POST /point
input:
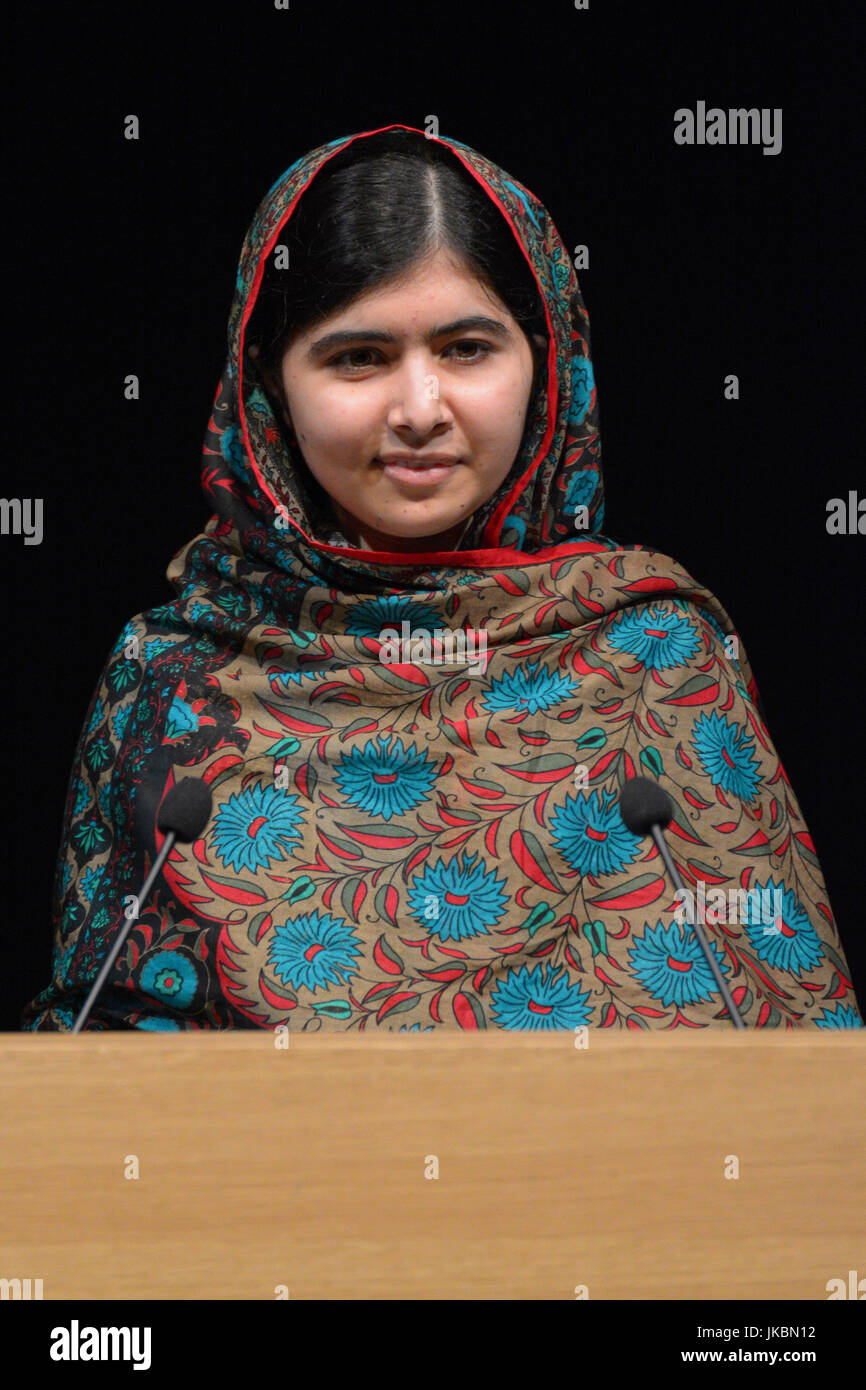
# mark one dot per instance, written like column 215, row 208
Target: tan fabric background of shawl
column 407, row 846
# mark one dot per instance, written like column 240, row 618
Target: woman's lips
column 418, row 475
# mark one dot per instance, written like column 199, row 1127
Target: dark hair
column 367, row 218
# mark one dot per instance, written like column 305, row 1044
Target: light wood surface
column 558, row 1166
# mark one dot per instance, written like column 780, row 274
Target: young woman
column 416, row 676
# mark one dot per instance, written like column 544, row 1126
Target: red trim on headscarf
column 494, row 525
column 504, row 555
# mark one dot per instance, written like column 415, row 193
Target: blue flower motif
column 255, row 826
column 367, row 619
column 789, row 942
column 82, row 799
column 538, row 1001
column 158, row 1025
column 581, row 489
column 589, row 831
column 103, row 799
column 726, row 754
column 97, row 716
column 171, row 977
column 197, row 611
column 531, row 687
column 89, row 882
column 843, row 1016
column 156, row 646
column 582, row 386
column 385, row 778
column 458, row 898
column 656, row 636
column 182, row 719
column 119, row 722
column 669, row 963
column 313, row 951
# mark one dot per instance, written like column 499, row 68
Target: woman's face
column 410, row 381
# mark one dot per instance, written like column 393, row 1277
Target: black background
column 704, row 261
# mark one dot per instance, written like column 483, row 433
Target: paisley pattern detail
column 432, row 844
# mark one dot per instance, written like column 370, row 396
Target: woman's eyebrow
column 373, row 335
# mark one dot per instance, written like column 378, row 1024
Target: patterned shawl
column 404, row 838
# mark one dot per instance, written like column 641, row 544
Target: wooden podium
column 433, row 1166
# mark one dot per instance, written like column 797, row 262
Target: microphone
column 183, row 816
column 646, row 809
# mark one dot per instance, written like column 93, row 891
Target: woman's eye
column 343, row 359
column 485, row 349
column 348, row 359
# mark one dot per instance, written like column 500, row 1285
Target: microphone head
column 643, row 804
column 186, row 809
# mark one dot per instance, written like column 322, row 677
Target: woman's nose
column 416, row 402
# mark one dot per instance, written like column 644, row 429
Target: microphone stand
column 676, row 878
column 156, row 868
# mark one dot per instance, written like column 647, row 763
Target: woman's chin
column 421, row 537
